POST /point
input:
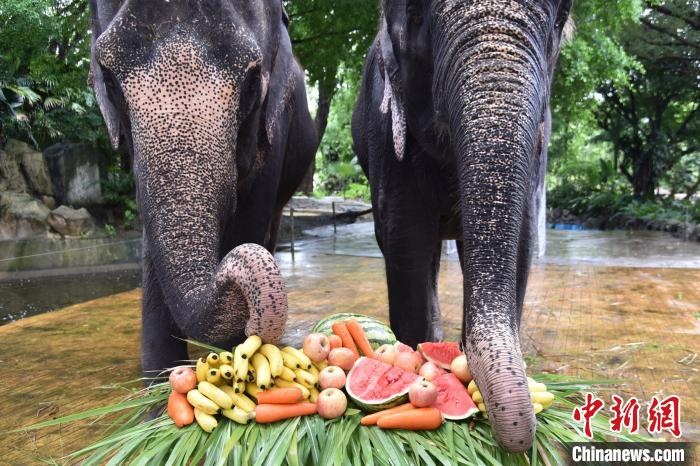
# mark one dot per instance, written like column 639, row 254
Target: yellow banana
column 288, row 374
column 226, row 372
column 290, row 361
column 215, row 394
column 303, row 359
column 262, row 371
column 313, row 394
column 239, row 387
column 544, row 398
column 237, row 415
column 537, row 407
column 239, row 399
column 471, row 388
column 240, row 365
column 320, row 365
column 251, row 374
column 206, row 421
column 476, row 396
column 226, row 357
column 250, row 346
column 214, row 376
column 305, row 392
column 314, row 372
column 213, row 360
column 482, row 407
column 274, row 357
column 252, row 390
column 201, row 402
column 305, row 378
column 201, row 369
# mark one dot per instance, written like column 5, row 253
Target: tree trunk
column 325, row 97
column 643, row 179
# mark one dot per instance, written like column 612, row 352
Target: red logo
column 624, row 415
column 665, row 415
column 587, row 411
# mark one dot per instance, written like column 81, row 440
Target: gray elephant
column 211, row 105
column 451, row 128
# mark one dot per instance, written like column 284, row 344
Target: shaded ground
column 640, row 325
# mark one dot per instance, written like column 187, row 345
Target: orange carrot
column 266, row 413
column 415, row 419
column 280, row 396
column 180, row 410
column 371, row 419
column 335, row 341
column 358, row 335
column 340, row 329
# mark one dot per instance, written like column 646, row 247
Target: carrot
column 280, row 396
column 335, row 341
column 266, row 413
column 358, row 335
column 340, row 329
column 371, row 419
column 180, row 410
column 415, row 419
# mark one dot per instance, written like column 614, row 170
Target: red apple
column 331, row 403
column 316, row 346
column 422, row 393
column 331, row 377
column 342, row 357
column 408, row 361
column 183, row 379
column 430, row 371
column 460, row 368
column 386, row 353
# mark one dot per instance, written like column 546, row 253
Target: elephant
column 210, row 103
column 451, row 127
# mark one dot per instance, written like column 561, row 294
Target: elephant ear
column 393, row 92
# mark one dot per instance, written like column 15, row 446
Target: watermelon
column 402, row 347
column 378, row 333
column 374, row 385
column 441, row 354
column 453, row 399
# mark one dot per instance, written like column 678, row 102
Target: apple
column 408, row 361
column 422, row 393
column 331, row 403
column 342, row 357
column 460, row 368
column 331, row 377
column 430, row 371
column 386, row 353
column 316, row 346
column 182, row 379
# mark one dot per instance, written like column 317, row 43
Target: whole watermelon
column 378, row 333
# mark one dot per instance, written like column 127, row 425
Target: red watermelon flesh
column 453, row 399
column 375, row 385
column 441, row 354
column 402, row 347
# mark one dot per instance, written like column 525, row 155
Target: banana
column 274, row 357
column 544, row 398
column 226, row 357
column 240, row 365
column 313, row 394
column 537, row 407
column 239, row 399
column 226, row 372
column 471, row 388
column 252, row 390
column 201, row 369
column 482, row 407
column 320, row 365
column 215, row 394
column 263, row 377
column 213, row 360
column 476, row 396
column 314, row 372
column 305, row 378
column 239, row 387
column 305, row 392
column 206, row 421
column 303, row 359
column 290, row 361
column 214, row 376
column 237, row 415
column 250, row 346
column 251, row 374
column 288, row 374
column 201, row 402
column 537, row 387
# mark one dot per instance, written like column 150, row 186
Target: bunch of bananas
column 540, row 397
column 228, row 382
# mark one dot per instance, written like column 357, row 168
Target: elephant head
column 469, row 80
column 185, row 85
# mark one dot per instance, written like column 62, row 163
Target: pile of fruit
column 345, row 354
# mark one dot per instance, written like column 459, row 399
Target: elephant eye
column 417, row 19
column 414, row 14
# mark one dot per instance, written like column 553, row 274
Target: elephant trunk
column 488, row 62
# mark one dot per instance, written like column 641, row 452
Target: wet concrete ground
column 582, row 317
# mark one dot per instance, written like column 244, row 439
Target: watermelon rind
column 394, row 399
column 449, row 385
column 441, row 354
column 378, row 333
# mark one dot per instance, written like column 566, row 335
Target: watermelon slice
column 402, row 347
column 453, row 399
column 374, row 385
column 441, row 354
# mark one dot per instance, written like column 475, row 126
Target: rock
column 21, row 216
column 36, row 173
column 11, row 177
column 75, row 172
column 70, row 222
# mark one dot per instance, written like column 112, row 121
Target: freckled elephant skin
column 210, row 103
column 451, row 127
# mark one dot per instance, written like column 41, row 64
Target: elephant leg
column 271, row 242
column 460, row 253
column 160, row 343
